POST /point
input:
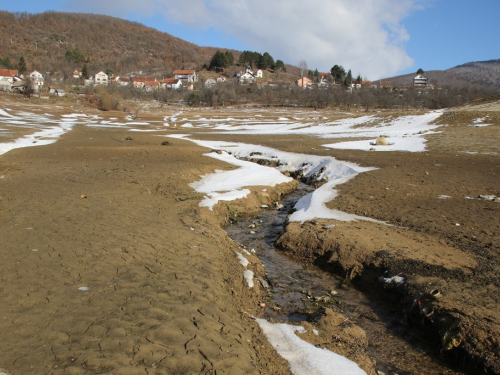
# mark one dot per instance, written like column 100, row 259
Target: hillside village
column 183, row 79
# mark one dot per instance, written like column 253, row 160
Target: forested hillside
column 54, row 41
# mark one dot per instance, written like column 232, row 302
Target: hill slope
column 480, row 74
column 106, row 43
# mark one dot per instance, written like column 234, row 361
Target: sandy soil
column 165, row 289
column 164, row 292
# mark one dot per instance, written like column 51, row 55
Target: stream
column 296, row 289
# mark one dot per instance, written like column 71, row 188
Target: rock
column 381, row 141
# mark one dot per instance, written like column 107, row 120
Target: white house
column 210, row 82
column 186, row 75
column 101, row 78
column 36, row 76
column 37, row 80
column 56, row 91
column 8, row 75
column 246, row 78
column 172, row 84
column 221, row 79
column 151, row 85
column 77, row 73
column 420, row 80
column 5, row 85
column 122, row 81
column 258, row 73
column 138, row 82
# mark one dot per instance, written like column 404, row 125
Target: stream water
column 296, row 288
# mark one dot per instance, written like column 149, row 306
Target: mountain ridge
column 475, row 74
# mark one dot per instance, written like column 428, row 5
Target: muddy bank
column 441, row 239
column 443, row 232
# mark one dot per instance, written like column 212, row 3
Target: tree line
column 364, row 99
column 229, row 94
column 221, row 60
column 21, row 67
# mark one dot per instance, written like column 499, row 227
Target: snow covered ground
column 228, row 185
column 43, row 128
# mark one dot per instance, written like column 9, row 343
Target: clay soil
column 109, row 266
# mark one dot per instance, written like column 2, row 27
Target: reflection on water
column 298, row 290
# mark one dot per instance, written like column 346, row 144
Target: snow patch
column 303, row 357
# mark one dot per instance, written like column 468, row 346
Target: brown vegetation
column 106, row 43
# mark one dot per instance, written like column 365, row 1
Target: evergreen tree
column 348, row 79
column 85, row 72
column 338, row 73
column 316, row 75
column 420, row 71
column 242, row 58
column 229, row 58
column 21, row 65
column 6, row 63
column 218, row 61
column 74, row 55
column 279, row 65
column 266, row 61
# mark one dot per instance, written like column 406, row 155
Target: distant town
column 224, row 82
column 36, row 82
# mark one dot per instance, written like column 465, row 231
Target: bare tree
column 303, row 67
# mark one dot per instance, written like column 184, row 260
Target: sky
column 372, row 38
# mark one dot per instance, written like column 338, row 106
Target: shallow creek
column 298, row 290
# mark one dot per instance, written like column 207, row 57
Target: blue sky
column 374, row 38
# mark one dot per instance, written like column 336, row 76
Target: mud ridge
column 423, row 291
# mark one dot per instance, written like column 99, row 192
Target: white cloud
column 365, row 36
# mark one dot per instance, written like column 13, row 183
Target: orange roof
column 144, row 79
column 304, row 79
column 170, row 80
column 152, row 83
column 184, row 71
column 8, row 73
